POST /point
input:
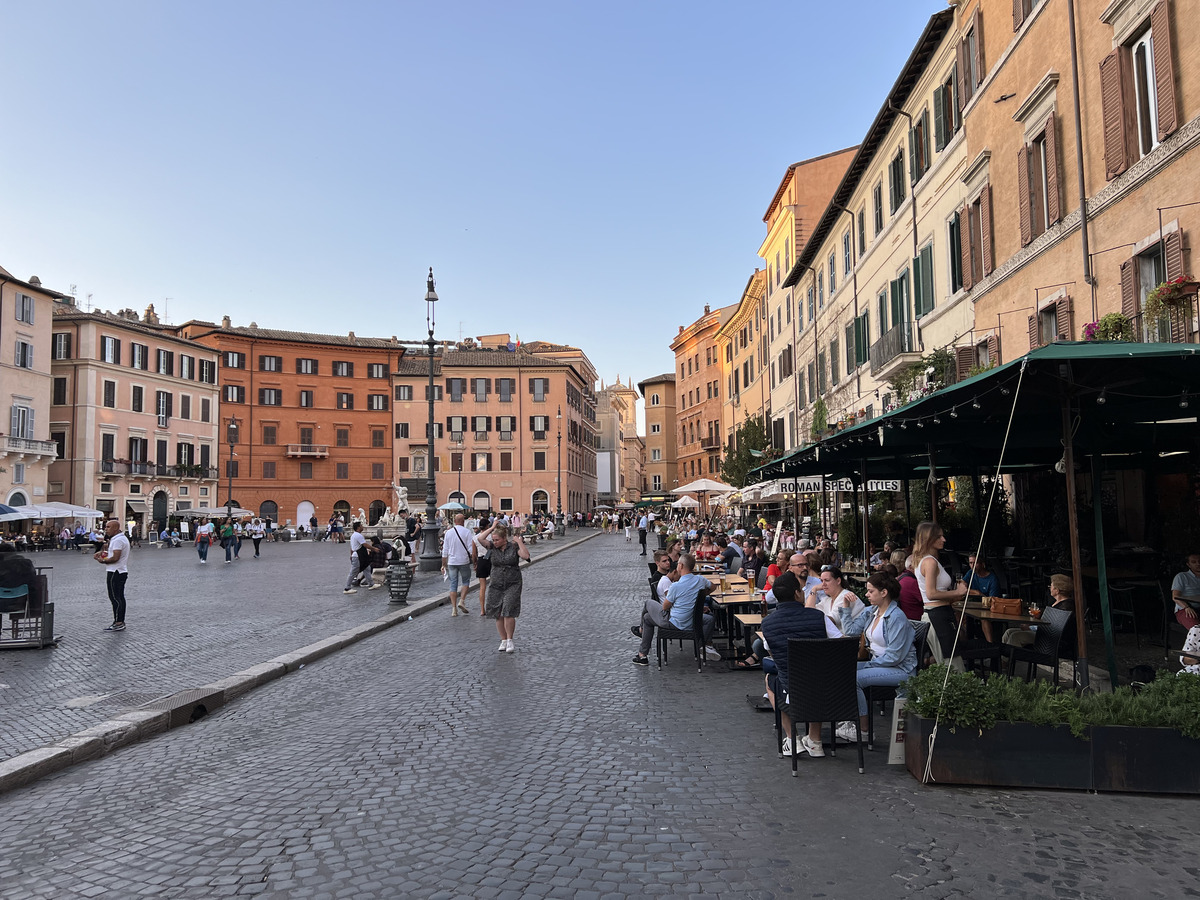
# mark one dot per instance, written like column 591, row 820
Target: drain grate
column 188, row 706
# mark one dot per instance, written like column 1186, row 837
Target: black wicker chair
column 1046, row 645
column 695, row 634
column 823, row 687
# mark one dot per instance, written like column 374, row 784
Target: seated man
column 730, row 554
column 677, row 610
column 664, row 575
column 1185, row 591
column 791, row 619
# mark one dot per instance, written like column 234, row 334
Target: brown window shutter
column 1053, row 204
column 1129, row 289
column 964, row 360
column 1034, row 343
column 964, row 239
column 1018, row 14
column 1114, row 102
column 978, row 25
column 1164, row 69
column 993, row 345
column 960, row 76
column 1062, row 313
column 985, row 213
column 1023, row 198
column 1173, row 252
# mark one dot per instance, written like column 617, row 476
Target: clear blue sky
column 590, row 173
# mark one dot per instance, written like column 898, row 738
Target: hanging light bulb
column 903, row 426
column 937, row 421
column 975, row 403
column 1005, row 391
column 1103, row 398
column 954, row 412
column 920, row 424
column 1061, row 466
column 1183, row 400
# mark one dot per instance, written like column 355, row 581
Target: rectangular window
column 656, row 482
column 923, row 294
column 655, row 455
column 401, row 430
column 896, row 185
column 208, row 371
column 342, row 471
column 234, row 360
column 402, row 464
column 506, row 425
column 832, row 275
column 306, row 399
column 834, row 356
column 377, row 471
column 821, row 373
column 269, row 435
column 164, row 362
column 456, row 462
column 205, row 409
column 342, row 437
column 231, row 468
column 137, row 400
column 376, row 370
column 270, row 363
column 481, row 425
column 539, row 460
column 377, row 437
column 403, row 393
column 60, row 443
column 233, row 393
column 862, row 230
column 954, row 243
column 110, row 350
column 343, row 369
column 139, row 356
column 345, row 400
column 877, row 206
column 506, row 461
column 539, row 425
column 306, row 436
column 164, row 403
column 377, row 401
column 947, row 119
column 481, row 462
column 185, row 406
column 306, row 366
column 456, row 425
column 456, row 387
column 270, row 397
column 540, row 388
column 847, row 263
column 481, row 387
column 60, row 392
column 110, row 394
column 268, row 470
column 437, row 393
column 22, row 422
column 62, row 346
column 918, row 147
column 24, row 309
column 437, row 430
column 187, row 367
column 306, row 470
column 24, row 355
column 506, row 387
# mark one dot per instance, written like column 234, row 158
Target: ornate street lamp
column 431, row 551
column 558, row 519
column 231, row 433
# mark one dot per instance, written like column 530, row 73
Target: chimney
column 35, row 281
column 352, row 335
column 225, row 322
column 707, row 309
column 151, row 316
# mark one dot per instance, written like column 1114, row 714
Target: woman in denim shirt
column 890, row 637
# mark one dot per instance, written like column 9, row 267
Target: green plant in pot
column 1111, row 327
column 1169, row 295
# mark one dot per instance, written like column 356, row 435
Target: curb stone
column 142, row 723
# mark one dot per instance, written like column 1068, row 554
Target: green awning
column 1128, row 399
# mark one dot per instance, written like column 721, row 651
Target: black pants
column 257, row 541
column 116, row 594
column 945, row 624
column 642, row 539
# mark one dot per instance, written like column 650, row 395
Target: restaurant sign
column 816, row 485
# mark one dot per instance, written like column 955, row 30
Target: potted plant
column 1169, row 295
column 1111, row 327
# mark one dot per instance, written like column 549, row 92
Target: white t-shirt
column 456, row 546
column 356, row 541
column 204, row 531
column 118, row 543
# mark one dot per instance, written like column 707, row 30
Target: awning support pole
column 1102, row 569
column 933, row 488
column 976, row 498
column 1073, row 536
column 866, row 515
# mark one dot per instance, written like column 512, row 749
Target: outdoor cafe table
column 748, row 621
column 977, row 611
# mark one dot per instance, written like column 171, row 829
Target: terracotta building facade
column 658, row 394
column 700, row 390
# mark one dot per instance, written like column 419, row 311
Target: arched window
column 269, row 509
column 482, row 501
column 376, row 511
column 540, row 502
column 342, row 508
column 654, row 399
column 457, row 497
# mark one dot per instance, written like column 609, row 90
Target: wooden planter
column 1017, row 754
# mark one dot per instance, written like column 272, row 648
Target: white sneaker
column 712, row 654
column 787, row 746
column 510, row 648
column 845, row 732
column 503, row 646
column 811, row 747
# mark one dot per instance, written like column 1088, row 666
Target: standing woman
column 227, row 538
column 628, row 523
column 483, row 567
column 937, row 587
column 504, row 594
column 203, row 538
column 256, row 534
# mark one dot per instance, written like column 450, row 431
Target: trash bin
column 398, row 580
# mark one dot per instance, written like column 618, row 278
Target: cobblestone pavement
column 189, row 624
column 423, row 764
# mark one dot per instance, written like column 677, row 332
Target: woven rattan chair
column 823, row 687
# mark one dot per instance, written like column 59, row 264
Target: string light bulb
column 1183, row 400
column 904, row 426
column 1103, row 398
column 975, row 403
column 954, row 412
column 937, row 421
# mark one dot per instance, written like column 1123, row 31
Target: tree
column 749, row 440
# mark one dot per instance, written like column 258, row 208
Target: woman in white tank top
column 937, row 587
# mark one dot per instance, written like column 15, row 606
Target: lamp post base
column 430, row 559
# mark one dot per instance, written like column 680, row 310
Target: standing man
column 411, row 533
column 643, row 524
column 116, row 564
column 359, row 562
column 458, row 556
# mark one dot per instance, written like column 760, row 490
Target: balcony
column 710, row 443
column 895, row 350
column 126, row 469
column 308, row 451
column 20, row 448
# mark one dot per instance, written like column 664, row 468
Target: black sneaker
column 641, row 660
column 635, row 630
column 116, row 626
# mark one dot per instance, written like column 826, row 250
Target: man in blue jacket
column 791, row 619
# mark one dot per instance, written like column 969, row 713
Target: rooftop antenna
column 89, row 303
column 165, row 317
column 72, row 290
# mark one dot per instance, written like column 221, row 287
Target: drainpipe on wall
column 913, row 199
column 1083, row 214
column 854, row 275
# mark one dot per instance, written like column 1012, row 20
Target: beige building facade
column 741, row 344
column 658, row 394
column 618, row 462
column 700, row 390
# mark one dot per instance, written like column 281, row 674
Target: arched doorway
column 482, row 501
column 457, row 497
column 540, row 502
column 159, row 506
column 268, row 509
column 342, row 508
column 376, row 511
column 304, row 511
column 17, row 498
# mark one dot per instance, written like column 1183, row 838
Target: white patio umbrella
column 703, row 486
column 213, row 511
column 686, row 503
column 70, row 511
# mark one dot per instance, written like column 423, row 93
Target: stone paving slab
column 190, row 625
column 422, row 763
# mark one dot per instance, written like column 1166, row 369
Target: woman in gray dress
column 504, row 584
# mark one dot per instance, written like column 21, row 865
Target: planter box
column 1017, row 754
column 1012, row 754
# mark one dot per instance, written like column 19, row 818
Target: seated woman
column 1063, row 593
column 910, row 591
column 707, row 549
column 836, row 597
column 889, row 637
column 1190, row 658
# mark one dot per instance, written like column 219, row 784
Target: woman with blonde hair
column 938, row 590
column 503, row 601
column 1062, row 591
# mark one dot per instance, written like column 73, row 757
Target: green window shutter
column 927, row 279
column 939, row 117
column 918, row 293
column 913, row 174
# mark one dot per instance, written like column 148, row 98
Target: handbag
column 864, row 649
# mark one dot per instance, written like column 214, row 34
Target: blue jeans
column 202, row 548
column 229, row 550
column 876, row 675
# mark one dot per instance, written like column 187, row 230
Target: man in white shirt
column 1185, row 591
column 359, row 562
column 458, row 557
column 115, row 558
